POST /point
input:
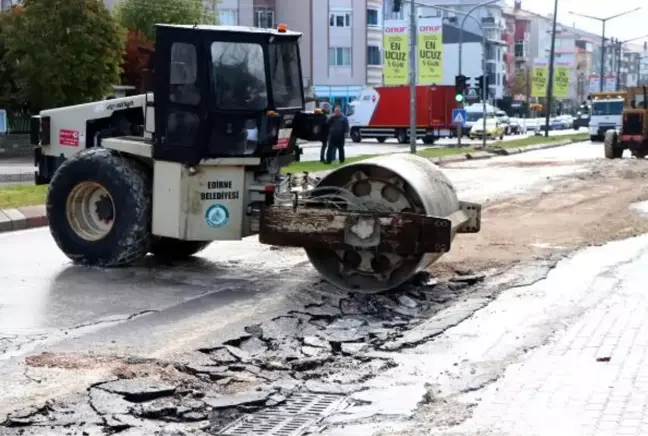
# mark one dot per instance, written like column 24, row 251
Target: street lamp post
column 460, row 61
column 619, row 56
column 552, row 57
column 484, row 90
column 412, row 77
column 604, row 22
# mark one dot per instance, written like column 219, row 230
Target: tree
column 143, row 15
column 9, row 93
column 135, row 59
column 519, row 84
column 65, row 52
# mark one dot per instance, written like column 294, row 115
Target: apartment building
column 341, row 46
column 518, row 59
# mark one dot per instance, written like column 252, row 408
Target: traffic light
column 482, row 83
column 397, row 5
column 460, row 87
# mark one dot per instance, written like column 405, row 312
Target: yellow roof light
column 282, row 28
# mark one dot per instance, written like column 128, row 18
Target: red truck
column 384, row 112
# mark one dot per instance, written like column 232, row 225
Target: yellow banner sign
column 561, row 81
column 539, row 80
column 395, row 47
column 430, row 51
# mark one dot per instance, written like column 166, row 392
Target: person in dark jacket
column 326, row 109
column 338, row 127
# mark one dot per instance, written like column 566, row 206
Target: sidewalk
column 591, row 379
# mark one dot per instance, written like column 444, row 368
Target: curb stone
column 21, row 177
column 510, row 151
column 21, row 218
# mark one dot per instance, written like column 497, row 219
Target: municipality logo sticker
column 217, row 216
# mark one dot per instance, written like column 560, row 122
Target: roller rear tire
column 99, row 208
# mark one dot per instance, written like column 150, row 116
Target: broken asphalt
column 249, row 337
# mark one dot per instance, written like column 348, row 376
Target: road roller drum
column 371, row 225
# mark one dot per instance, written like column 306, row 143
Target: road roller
column 198, row 157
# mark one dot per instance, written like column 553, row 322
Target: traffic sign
column 472, row 93
column 458, row 116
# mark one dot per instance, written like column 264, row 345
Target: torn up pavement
column 283, row 376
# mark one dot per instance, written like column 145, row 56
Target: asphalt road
column 166, row 312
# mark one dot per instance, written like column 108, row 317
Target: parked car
column 582, row 120
column 504, row 120
column 494, row 129
column 532, row 125
column 517, row 126
column 568, row 121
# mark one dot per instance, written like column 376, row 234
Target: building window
column 372, row 17
column 228, row 17
column 340, row 56
column 519, row 49
column 373, row 55
column 264, row 18
column 340, row 19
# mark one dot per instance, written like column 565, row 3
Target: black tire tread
column 135, row 177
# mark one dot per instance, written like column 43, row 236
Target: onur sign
column 395, row 48
column 430, row 51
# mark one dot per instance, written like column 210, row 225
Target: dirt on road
column 591, row 209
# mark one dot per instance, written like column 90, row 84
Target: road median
column 456, row 154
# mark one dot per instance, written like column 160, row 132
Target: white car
column 518, row 126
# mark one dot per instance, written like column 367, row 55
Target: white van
column 606, row 114
column 474, row 113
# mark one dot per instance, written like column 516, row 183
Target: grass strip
column 13, row 196
column 314, row 166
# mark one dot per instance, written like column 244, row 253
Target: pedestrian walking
column 326, row 109
column 338, row 126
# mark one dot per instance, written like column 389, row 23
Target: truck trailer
column 383, row 112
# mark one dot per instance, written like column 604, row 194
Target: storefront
column 342, row 95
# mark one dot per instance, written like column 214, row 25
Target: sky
column 626, row 27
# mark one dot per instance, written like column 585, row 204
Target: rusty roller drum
column 398, row 183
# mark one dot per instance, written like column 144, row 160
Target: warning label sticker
column 69, row 137
column 283, row 140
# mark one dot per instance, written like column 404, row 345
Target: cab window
column 238, row 76
column 183, row 74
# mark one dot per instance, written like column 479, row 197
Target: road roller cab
column 225, row 117
column 633, row 134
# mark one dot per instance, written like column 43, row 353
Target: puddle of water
column 641, row 208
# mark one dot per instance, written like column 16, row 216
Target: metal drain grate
column 306, row 404
column 295, row 417
column 263, row 424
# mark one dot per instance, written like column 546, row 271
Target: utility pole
column 412, row 77
column 459, row 67
column 552, row 57
column 603, row 22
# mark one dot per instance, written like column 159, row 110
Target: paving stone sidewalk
column 590, row 381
